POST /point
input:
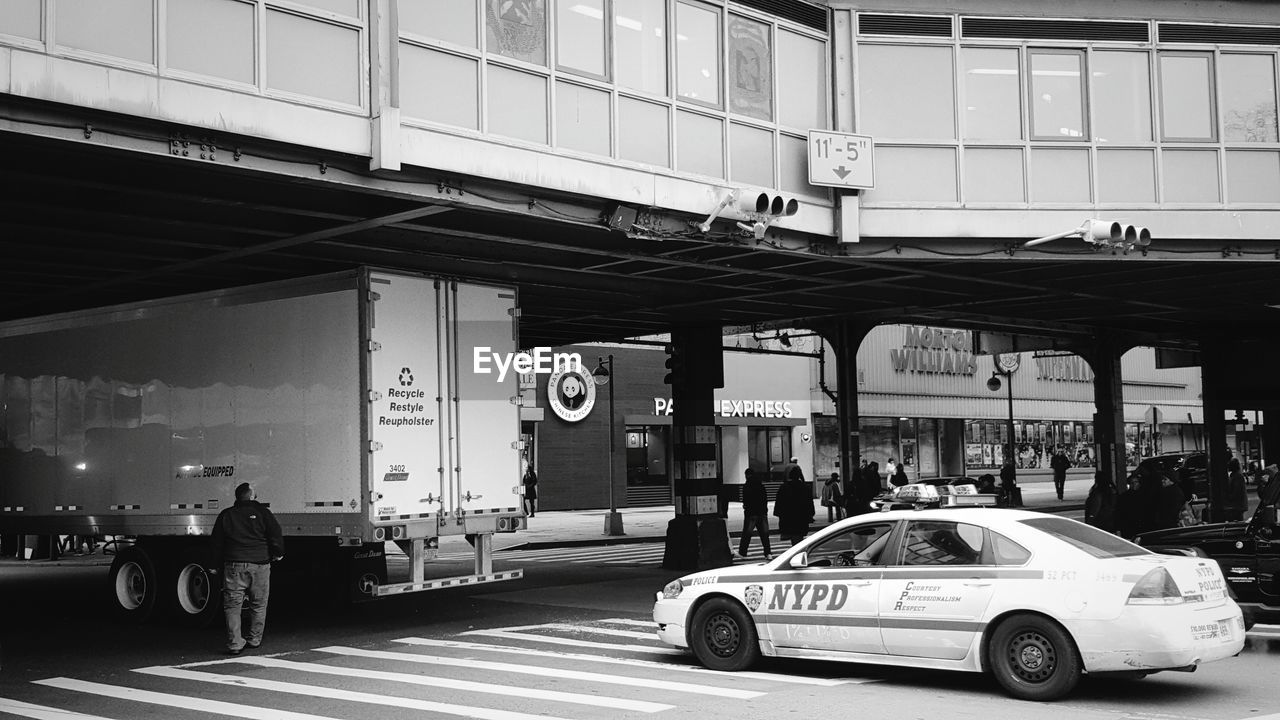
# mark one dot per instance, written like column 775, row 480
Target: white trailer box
column 349, row 401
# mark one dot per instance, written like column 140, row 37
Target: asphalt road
column 571, row 640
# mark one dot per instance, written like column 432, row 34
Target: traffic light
column 1113, row 234
column 675, row 365
column 763, row 209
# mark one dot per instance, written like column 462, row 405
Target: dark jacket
column 755, row 498
column 1100, row 508
column 794, row 508
column 1237, row 500
column 247, row 532
column 1059, row 463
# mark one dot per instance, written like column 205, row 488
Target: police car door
column 932, row 600
column 831, row 603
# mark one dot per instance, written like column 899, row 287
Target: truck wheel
column 134, row 585
column 723, row 636
column 1033, row 658
column 197, row 594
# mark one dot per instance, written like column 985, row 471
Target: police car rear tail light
column 1156, row 588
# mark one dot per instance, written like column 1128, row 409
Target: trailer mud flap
column 366, row 571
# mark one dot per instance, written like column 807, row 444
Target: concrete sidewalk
column 565, row 528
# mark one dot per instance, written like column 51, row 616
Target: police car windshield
column 1098, row 543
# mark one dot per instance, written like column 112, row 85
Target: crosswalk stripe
column 629, row 621
column 243, row 681
column 467, row 685
column 511, row 650
column 548, row 639
column 179, row 701
column 595, row 631
column 546, row 672
column 40, row 712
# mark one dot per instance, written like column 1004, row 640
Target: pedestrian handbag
column 1187, row 516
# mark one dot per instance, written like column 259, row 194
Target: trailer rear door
column 405, row 418
column 487, row 467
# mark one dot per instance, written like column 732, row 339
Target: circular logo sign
column 571, row 394
column 1007, row 362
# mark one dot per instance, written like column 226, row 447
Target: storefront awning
column 722, row 421
column 996, row 407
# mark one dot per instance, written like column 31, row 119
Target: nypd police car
column 1034, row 599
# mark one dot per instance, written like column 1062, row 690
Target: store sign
column 935, row 351
column 1070, row 368
column 571, row 394
column 735, row 408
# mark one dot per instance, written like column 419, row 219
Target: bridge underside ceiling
column 83, row 225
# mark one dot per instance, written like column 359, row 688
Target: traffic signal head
column 675, row 365
column 1114, row 235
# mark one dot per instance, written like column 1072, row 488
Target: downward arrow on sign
column 841, row 172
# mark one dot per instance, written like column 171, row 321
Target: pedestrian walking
column 899, row 477
column 1237, row 500
column 246, row 539
column 755, row 514
column 1059, row 462
column 1129, row 509
column 865, row 486
column 833, row 498
column 1100, row 506
column 793, row 507
column 530, row 482
column 890, row 469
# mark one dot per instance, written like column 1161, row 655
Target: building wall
column 1012, row 119
column 581, row 96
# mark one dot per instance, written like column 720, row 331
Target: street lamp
column 602, row 375
column 1005, row 365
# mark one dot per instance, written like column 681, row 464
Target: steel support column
column 1108, row 399
column 697, row 537
column 845, row 337
column 1214, row 379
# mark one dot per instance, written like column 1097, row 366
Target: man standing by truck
column 246, row 539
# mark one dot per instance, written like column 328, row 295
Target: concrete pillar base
column 696, row 542
column 613, row 523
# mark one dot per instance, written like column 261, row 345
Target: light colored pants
column 241, row 580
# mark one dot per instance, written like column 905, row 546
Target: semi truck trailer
column 353, row 403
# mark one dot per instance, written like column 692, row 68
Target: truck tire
column 196, row 594
column 134, row 585
column 1033, row 658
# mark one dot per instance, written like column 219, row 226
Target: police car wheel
column 723, row 636
column 1033, row 658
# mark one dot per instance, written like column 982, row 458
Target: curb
column 606, row 540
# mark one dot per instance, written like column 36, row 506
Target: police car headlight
column 672, row 590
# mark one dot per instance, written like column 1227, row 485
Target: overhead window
column 1248, row 97
column 1186, row 97
column 580, row 37
column 449, row 20
column 517, row 29
column 907, row 92
column 1121, row 87
column 750, row 68
column 698, row 54
column 1057, row 95
column 121, row 29
column 802, row 81
column 992, row 94
column 190, row 22
column 22, row 18
column 640, row 44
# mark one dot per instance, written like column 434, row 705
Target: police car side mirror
column 800, row 561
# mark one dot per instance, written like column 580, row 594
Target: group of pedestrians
column 794, row 502
column 1153, row 500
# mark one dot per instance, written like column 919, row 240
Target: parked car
column 1189, row 469
column 1034, row 599
column 1248, row 553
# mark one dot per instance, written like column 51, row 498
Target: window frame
column 607, row 20
column 1215, row 119
column 720, row 13
column 1086, row 129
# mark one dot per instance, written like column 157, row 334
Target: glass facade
column 1092, row 123
column 681, row 85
